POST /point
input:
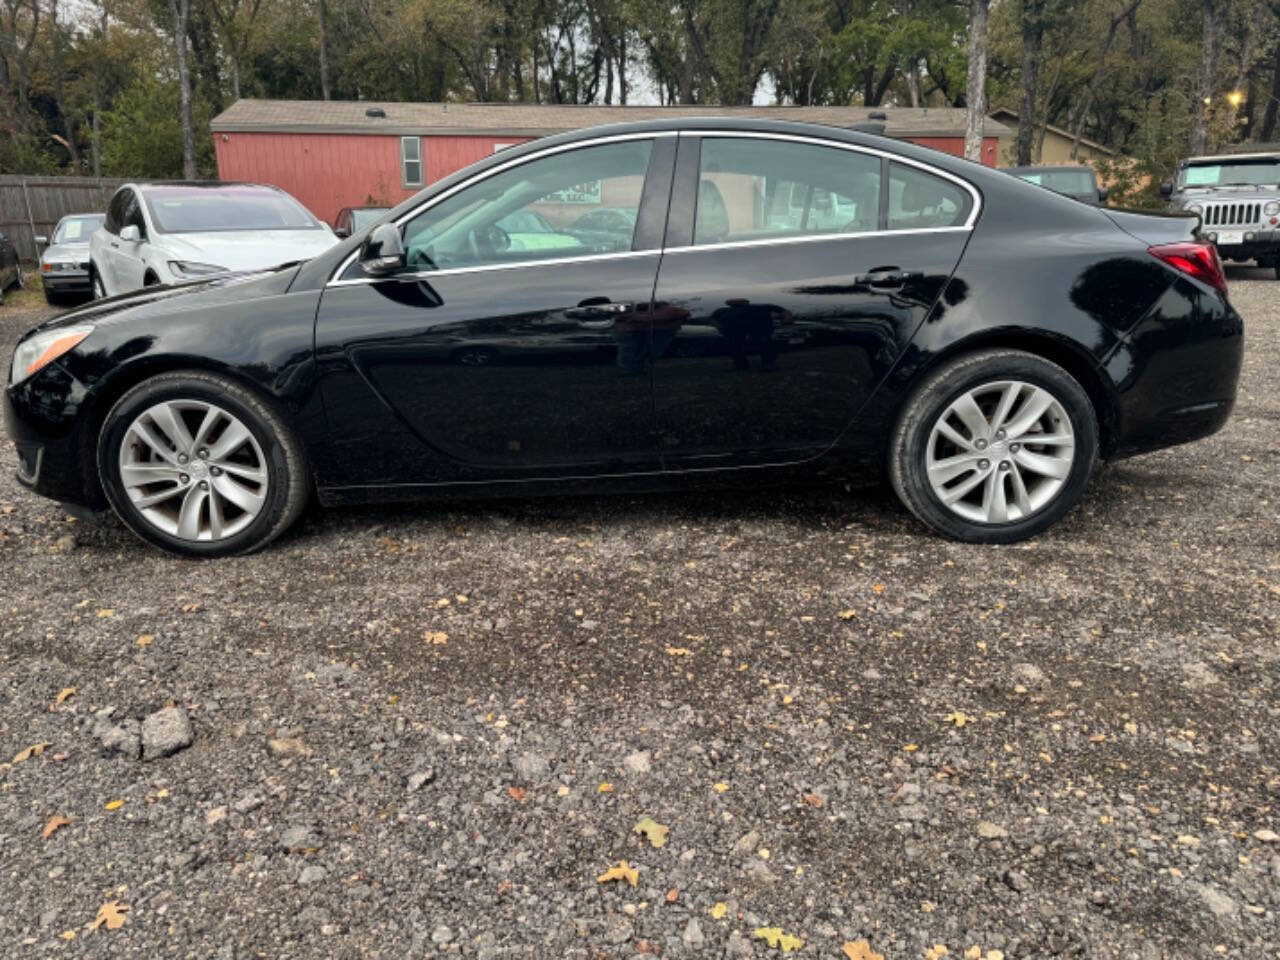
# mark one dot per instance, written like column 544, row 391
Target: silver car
column 64, row 265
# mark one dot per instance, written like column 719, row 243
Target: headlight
column 1272, row 208
column 187, row 268
column 1195, row 208
column 36, row 353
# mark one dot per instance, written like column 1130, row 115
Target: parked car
column 983, row 342
column 1237, row 198
column 10, row 268
column 161, row 233
column 64, row 265
column 1077, row 181
column 354, row 219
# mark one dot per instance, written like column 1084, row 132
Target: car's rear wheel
column 99, row 288
column 201, row 466
column 994, row 447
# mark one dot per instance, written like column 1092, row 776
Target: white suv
column 174, row 232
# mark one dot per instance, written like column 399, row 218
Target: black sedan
column 982, row 341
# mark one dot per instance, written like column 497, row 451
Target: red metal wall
column 327, row 172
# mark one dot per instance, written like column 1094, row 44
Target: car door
column 795, row 273
column 503, row 356
column 131, row 264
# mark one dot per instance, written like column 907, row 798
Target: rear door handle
column 597, row 314
column 886, row 277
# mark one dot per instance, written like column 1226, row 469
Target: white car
column 175, row 232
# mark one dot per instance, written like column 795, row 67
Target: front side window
column 411, row 161
column 188, row 209
column 921, row 201
column 533, row 211
column 755, row 189
column 115, row 210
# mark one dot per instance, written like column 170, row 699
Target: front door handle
column 596, row 314
column 887, row 277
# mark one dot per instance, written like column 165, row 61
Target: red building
column 334, row 154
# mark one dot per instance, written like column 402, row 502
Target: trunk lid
column 1156, row 228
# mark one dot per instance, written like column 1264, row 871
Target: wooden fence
column 32, row 206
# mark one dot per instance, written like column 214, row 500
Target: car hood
column 246, row 249
column 66, row 251
column 178, row 297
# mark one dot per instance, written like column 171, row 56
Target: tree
column 976, row 85
column 180, row 11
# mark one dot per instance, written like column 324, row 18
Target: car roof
column 1224, row 157
column 206, row 184
column 1037, row 168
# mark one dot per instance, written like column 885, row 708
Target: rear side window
column 115, row 210
column 757, row 189
column 919, row 200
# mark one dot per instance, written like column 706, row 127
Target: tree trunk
column 976, row 84
column 1204, row 83
column 324, row 53
column 1269, row 115
column 181, row 9
column 913, row 83
column 1031, row 23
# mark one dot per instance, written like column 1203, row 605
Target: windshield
column 77, row 229
column 182, row 209
column 1062, row 181
column 363, row 217
column 1232, row 173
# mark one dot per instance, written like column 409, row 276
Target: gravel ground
column 434, row 733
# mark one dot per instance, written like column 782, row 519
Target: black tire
column 908, row 446
column 98, row 289
column 50, row 297
column 289, row 480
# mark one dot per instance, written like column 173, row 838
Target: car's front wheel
column 200, row 465
column 994, row 447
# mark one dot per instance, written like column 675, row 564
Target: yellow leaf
column 115, row 804
column 623, row 871
column 562, row 791
column 606, row 788
column 655, row 832
column 847, row 614
column 436, row 638
column 973, row 953
column 878, row 588
column 936, row 952
column 107, row 612
column 144, row 639
column 958, row 718
column 861, row 950
column 719, row 910
column 68, row 934
column 53, row 826
column 32, row 751
column 911, row 747
column 679, row 652
column 777, row 939
column 111, row 915
column 61, row 698
column 442, row 602
column 787, row 700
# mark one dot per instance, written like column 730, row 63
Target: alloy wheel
column 1000, row 452
column 193, row 470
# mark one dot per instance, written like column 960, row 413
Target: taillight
column 1199, row 260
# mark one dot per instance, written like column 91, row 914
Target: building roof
column 1010, row 116
column 536, row 120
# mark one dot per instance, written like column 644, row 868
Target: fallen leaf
column 679, row 652
column 911, row 747
column 68, row 934
column 115, row 805
column 655, row 832
column 61, row 698
column 957, row 717
column 145, row 639
column 847, row 614
column 32, row 751
column 774, row 937
column 436, row 638
column 878, row 588
column 106, row 612
column 813, row 800
column 720, row 787
column 973, row 953
column 517, row 794
column 606, row 788
column 623, row 871
column 936, row 952
column 190, row 607
column 861, row 950
column 1098, row 738
column 111, row 915
column 53, row 826
column 673, row 895
column 719, row 910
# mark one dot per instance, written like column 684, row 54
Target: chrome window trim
column 333, row 280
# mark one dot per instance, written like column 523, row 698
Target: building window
column 411, row 161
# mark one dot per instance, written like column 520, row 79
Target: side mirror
column 341, row 233
column 383, row 252
column 1166, row 189
column 42, row 241
column 1103, row 193
column 131, row 233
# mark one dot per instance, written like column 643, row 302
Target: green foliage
column 141, row 135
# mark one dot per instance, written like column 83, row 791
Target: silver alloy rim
column 193, row 470
column 1000, row 452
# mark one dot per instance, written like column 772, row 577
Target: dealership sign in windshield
column 581, row 193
